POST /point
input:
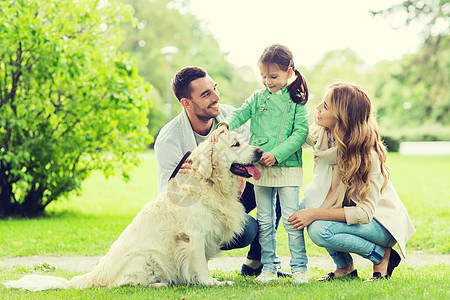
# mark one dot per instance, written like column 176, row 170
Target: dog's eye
column 236, row 144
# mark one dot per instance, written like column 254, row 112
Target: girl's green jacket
column 278, row 124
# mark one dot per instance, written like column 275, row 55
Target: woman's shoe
column 331, row 276
column 376, row 276
column 394, row 261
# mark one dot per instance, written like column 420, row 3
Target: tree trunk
column 31, row 207
column 32, row 204
column 6, row 193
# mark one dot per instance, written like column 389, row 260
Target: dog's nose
column 259, row 151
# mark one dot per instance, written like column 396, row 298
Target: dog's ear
column 205, row 167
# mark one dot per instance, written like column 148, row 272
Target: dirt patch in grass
column 224, row 263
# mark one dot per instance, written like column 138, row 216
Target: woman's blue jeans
column 340, row 239
column 265, row 203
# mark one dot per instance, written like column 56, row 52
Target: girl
column 351, row 206
column 279, row 125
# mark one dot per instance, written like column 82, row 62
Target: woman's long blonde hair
column 356, row 134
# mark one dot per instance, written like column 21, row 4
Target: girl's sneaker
column 299, row 277
column 266, row 276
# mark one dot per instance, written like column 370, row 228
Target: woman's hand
column 214, row 137
column 267, row 160
column 302, row 218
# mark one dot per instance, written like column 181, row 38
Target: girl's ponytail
column 298, row 90
column 282, row 56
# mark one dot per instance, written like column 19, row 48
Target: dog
column 171, row 239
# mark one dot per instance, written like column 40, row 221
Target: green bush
column 392, row 144
column 66, row 94
column 427, row 133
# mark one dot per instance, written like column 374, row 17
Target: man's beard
column 205, row 117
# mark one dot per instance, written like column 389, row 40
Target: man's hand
column 186, row 167
column 267, row 160
column 302, row 218
column 214, row 137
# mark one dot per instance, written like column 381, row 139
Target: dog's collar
column 179, row 165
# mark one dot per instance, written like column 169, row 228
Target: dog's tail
column 38, row 283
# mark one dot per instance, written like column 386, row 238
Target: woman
column 351, row 206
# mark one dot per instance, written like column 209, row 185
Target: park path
column 224, row 263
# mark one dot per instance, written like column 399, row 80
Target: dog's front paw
column 213, row 281
column 208, row 281
column 226, row 282
column 159, row 285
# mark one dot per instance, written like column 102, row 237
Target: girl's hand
column 267, row 160
column 302, row 218
column 214, row 137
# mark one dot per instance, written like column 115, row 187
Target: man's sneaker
column 247, row 271
column 299, row 277
column 266, row 276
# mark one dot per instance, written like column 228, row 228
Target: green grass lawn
column 408, row 283
column 87, row 224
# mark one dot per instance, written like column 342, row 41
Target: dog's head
column 231, row 153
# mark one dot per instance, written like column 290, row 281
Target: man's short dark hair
column 181, row 84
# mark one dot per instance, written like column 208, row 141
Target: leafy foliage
column 416, row 92
column 69, row 101
column 335, row 65
column 162, row 23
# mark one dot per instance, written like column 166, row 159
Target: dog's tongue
column 254, row 171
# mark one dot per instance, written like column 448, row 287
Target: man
column 198, row 94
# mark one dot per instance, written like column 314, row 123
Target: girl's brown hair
column 356, row 133
column 282, row 56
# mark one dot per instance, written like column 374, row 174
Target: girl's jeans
column 265, row 203
column 367, row 240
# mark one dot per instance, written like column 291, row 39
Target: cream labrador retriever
column 171, row 239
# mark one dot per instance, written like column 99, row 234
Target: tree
column 421, row 80
column 343, row 64
column 163, row 23
column 432, row 15
column 69, row 101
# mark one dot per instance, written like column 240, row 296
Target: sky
column 310, row 29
